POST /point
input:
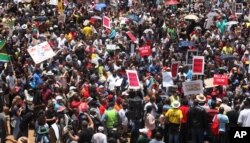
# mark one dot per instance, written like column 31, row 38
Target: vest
column 111, row 118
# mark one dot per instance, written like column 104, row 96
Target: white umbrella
column 96, row 17
column 232, row 23
column 191, row 17
column 148, row 30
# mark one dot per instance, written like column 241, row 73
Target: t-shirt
column 223, row 120
column 244, row 118
column 174, row 116
column 184, row 110
column 86, row 135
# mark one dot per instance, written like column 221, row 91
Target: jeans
column 197, row 135
column 173, row 136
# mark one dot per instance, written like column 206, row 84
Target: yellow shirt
column 174, row 116
column 87, row 31
column 227, row 50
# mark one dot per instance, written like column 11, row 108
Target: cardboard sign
column 167, row 79
column 106, row 22
column 41, row 52
column 145, row 51
column 189, row 56
column 192, row 87
column 53, row 2
column 133, row 79
column 238, row 8
column 132, row 37
column 220, row 79
column 60, row 6
column 175, row 69
column 198, row 65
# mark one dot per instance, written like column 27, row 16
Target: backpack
column 215, row 126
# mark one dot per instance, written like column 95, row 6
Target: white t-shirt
column 122, row 115
column 244, row 118
column 99, row 138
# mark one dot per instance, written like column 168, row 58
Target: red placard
column 106, row 22
column 133, row 79
column 198, row 65
column 220, row 79
column 131, row 36
column 174, row 69
column 145, row 51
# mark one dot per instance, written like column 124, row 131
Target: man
column 197, row 122
column 224, row 104
column 152, row 103
column 99, row 137
column 110, row 118
column 174, row 117
column 3, row 126
column 244, row 117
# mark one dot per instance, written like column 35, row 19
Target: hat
column 101, row 86
column 144, row 130
column 71, row 94
column 176, row 104
column 24, row 26
column 201, row 98
column 100, row 128
column 125, row 93
column 59, row 97
column 72, row 88
column 50, row 73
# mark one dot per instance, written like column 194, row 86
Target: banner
column 41, row 52
column 133, row 79
column 106, row 22
column 175, row 69
column 198, row 65
column 192, row 87
column 145, row 51
column 132, row 37
column 220, row 79
column 167, row 79
column 53, row 2
column 60, row 6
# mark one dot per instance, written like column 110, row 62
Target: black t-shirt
column 50, row 114
column 86, row 135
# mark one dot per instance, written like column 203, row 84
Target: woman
column 16, row 113
column 42, row 130
column 149, row 120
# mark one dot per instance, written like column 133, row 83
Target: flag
column 2, row 43
column 4, row 57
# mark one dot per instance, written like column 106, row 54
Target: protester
column 71, row 67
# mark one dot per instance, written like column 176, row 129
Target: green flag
column 4, row 57
column 2, row 43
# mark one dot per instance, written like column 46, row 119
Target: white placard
column 192, row 87
column 41, row 52
column 167, row 79
column 53, row 2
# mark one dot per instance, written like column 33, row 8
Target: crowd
column 75, row 96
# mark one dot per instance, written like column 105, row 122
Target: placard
column 41, row 52
column 60, row 6
column 167, row 79
column 175, row 69
column 53, row 2
column 238, row 8
column 145, row 51
column 106, row 22
column 220, row 79
column 189, row 56
column 133, row 79
column 198, row 65
column 192, row 87
column 111, row 47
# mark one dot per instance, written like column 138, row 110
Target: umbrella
column 96, row 17
column 171, row 2
column 185, row 44
column 232, row 23
column 191, row 17
column 148, row 30
column 134, row 17
column 100, row 6
column 228, row 57
column 86, row 22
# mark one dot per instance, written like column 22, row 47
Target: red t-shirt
column 184, row 110
column 102, row 109
column 75, row 104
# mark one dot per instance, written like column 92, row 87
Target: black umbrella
column 228, row 57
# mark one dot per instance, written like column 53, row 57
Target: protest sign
column 111, row 47
column 133, row 79
column 145, row 51
column 192, row 87
column 167, row 79
column 106, row 22
column 53, row 2
column 60, row 6
column 132, row 37
column 238, row 8
column 198, row 65
column 189, row 56
column 41, row 52
column 220, row 79
column 175, row 69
